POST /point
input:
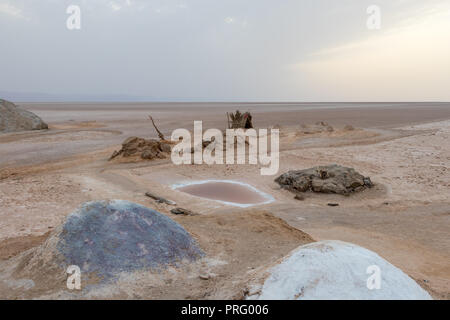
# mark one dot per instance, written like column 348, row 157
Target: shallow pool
column 226, row 191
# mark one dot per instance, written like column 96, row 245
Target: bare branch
column 161, row 136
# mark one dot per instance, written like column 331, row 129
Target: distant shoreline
column 234, row 102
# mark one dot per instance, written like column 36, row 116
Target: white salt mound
column 337, row 270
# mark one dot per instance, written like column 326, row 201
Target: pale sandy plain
column 405, row 218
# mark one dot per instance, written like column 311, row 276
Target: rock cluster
column 325, row 179
column 319, row 127
column 13, row 118
column 144, row 148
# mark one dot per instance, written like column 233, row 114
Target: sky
column 226, row 50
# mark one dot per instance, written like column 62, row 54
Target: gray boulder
column 13, row 118
column 325, row 179
column 108, row 237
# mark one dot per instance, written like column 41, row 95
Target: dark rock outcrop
column 325, row 179
column 13, row 118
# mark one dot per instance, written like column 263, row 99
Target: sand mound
column 336, row 270
column 325, row 179
column 105, row 238
column 13, row 118
column 143, row 148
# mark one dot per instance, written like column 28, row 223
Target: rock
column 319, row 127
column 165, row 147
column 123, row 236
column 299, row 197
column 348, row 127
column 325, row 179
column 13, row 118
column 181, row 211
column 115, row 154
column 335, row 270
column 152, row 152
column 105, row 238
column 368, row 182
column 146, row 149
column 204, row 277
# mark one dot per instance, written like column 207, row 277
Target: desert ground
column 405, row 218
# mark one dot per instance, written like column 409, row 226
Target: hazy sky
column 285, row 50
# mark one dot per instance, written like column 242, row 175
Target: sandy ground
column 405, row 219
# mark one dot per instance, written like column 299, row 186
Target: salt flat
column 405, row 219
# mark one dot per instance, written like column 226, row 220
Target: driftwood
column 160, row 199
column 161, row 136
column 184, row 212
column 333, row 204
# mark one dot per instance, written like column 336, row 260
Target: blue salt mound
column 108, row 237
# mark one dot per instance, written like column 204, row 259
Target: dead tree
column 240, row 120
column 161, row 136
